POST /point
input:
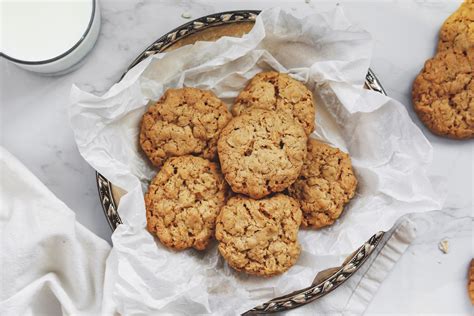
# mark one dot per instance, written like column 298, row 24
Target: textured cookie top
column 259, row 236
column 183, row 201
column 278, row 91
column 457, row 31
column 184, row 121
column 325, row 184
column 261, row 152
column 443, row 95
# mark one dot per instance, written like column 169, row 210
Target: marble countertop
column 35, row 128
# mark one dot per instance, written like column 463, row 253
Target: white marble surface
column 35, row 128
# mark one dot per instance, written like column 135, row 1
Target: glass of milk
column 48, row 36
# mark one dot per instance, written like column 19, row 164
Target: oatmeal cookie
column 325, row 184
column 259, row 237
column 184, row 121
column 457, row 31
column 261, row 152
column 277, row 91
column 443, row 95
column 183, row 201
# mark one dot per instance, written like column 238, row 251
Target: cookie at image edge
column 443, row 95
column 326, row 183
column 259, row 237
column 261, row 152
column 457, row 32
column 470, row 286
column 278, row 92
column 184, row 121
column 183, row 201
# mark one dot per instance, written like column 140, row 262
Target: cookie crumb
column 444, row 246
column 186, row 15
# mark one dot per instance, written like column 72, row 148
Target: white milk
column 39, row 31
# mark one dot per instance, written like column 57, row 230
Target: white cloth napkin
column 49, row 263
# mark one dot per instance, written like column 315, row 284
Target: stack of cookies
column 250, row 178
column 443, row 92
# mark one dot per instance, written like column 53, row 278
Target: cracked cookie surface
column 457, row 31
column 184, row 121
column 259, row 237
column 443, row 95
column 278, row 92
column 183, row 201
column 261, row 152
column 326, row 183
column 443, row 92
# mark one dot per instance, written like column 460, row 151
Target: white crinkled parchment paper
column 389, row 153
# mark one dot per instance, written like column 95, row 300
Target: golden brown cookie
column 277, row 91
column 471, row 282
column 183, row 201
column 184, row 121
column 443, row 92
column 443, row 95
column 259, row 236
column 261, row 152
column 325, row 184
column 457, row 31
